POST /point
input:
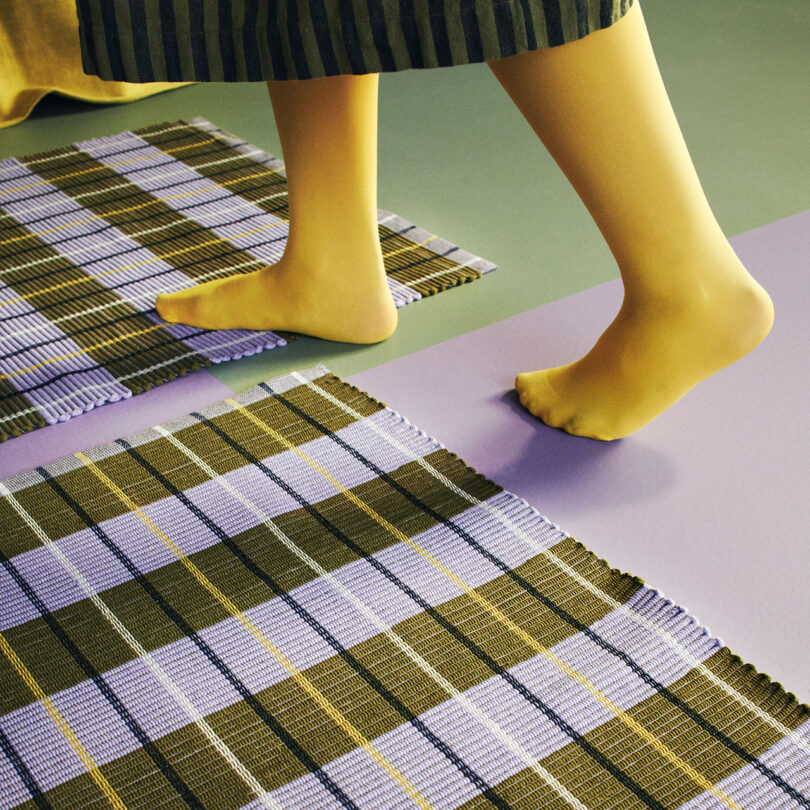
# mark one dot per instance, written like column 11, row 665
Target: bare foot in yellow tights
column 330, row 282
column 648, row 358
column 690, row 307
column 344, row 300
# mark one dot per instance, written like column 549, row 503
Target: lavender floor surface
column 188, row 393
column 705, row 502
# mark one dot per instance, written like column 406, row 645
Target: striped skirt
column 257, row 40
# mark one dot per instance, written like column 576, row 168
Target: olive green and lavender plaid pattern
column 296, row 599
column 90, row 234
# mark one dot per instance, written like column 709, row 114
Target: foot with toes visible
column 648, row 358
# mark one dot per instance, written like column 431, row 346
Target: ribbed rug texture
column 297, row 599
column 92, row 233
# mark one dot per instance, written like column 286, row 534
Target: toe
column 187, row 307
column 535, row 392
column 165, row 308
column 556, row 417
column 589, row 427
column 525, row 398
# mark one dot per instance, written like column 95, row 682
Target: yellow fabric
column 40, row 54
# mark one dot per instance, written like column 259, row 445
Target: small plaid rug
column 296, row 599
column 92, row 233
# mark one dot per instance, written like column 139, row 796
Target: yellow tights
column 599, row 106
column 330, row 282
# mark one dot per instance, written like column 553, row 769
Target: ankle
column 684, row 280
column 355, row 253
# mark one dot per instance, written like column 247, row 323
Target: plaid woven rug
column 296, row 599
column 92, row 233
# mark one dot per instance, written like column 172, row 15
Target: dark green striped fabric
column 254, row 40
column 297, row 600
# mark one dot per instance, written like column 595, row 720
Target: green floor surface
column 456, row 158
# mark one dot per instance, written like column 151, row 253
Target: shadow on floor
column 551, row 465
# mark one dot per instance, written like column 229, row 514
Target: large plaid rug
column 297, row 599
column 92, row 233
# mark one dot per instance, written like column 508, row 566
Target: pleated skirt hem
column 249, row 40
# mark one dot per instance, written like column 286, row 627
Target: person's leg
column 690, row 307
column 330, row 282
